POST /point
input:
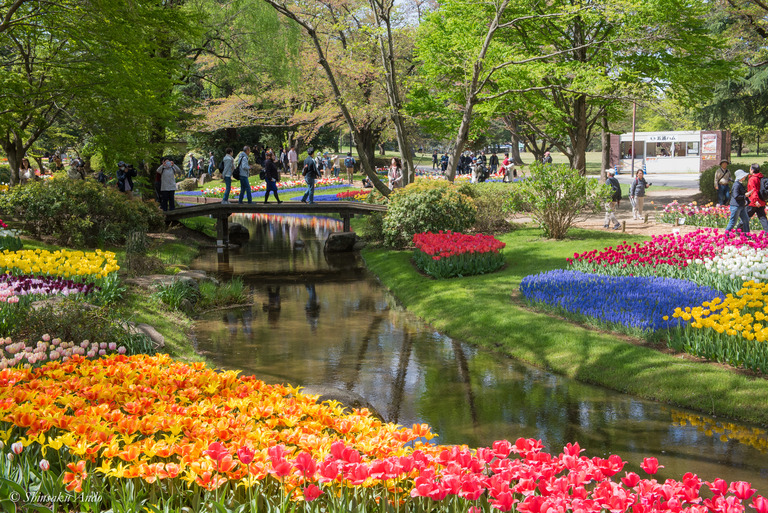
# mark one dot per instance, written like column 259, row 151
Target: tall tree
column 566, row 64
column 60, row 68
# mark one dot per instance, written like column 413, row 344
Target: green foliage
column 79, row 213
column 556, row 196
column 466, row 264
column 426, row 206
column 177, row 293
column 707, row 182
column 214, row 295
column 71, row 320
column 491, row 200
column 10, row 243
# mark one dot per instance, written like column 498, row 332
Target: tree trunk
column 514, row 151
column 739, row 145
column 461, row 137
column 382, row 151
column 579, row 140
column 382, row 11
column 606, row 136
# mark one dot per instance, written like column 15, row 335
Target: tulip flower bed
column 359, row 195
column 26, row 285
column 707, row 256
column 731, row 330
column 640, row 303
column 715, row 216
column 448, row 254
column 47, row 349
column 78, row 265
column 136, row 433
column 297, row 185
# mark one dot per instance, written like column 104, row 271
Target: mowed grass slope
column 480, row 310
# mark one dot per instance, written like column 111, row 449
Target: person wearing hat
column 611, row 206
column 739, row 203
column 756, row 205
column 722, row 182
column 547, row 158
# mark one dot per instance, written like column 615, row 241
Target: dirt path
column 655, row 201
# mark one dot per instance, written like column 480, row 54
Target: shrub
column 426, row 206
column 214, row 295
column 491, row 200
column 79, row 213
column 556, row 196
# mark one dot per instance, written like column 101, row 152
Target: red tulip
column 760, row 503
column 651, row 465
column 742, row 489
column 216, row 451
column 245, row 454
column 311, row 493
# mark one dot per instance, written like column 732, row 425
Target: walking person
column 244, row 167
column 739, row 203
column 192, row 166
column 637, row 194
column 310, row 173
column 211, row 163
column 444, row 163
column 167, row 172
column 756, row 204
column 722, row 182
column 284, row 159
column 271, row 176
column 293, row 162
column 349, row 163
column 613, row 205
column 434, row 160
column 226, row 173
column 395, row 174
column 493, row 162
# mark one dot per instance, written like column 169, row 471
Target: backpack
column 349, row 162
column 762, row 192
column 236, row 172
column 263, row 174
column 221, row 165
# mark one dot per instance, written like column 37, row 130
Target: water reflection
column 336, row 326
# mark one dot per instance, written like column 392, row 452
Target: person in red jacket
column 756, row 205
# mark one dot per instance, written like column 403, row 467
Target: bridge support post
column 346, row 220
column 222, row 231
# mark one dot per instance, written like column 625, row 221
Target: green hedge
column 78, row 213
column 426, row 206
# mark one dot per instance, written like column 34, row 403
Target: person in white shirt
column 293, row 161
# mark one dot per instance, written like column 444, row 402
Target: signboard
column 661, row 138
column 709, row 143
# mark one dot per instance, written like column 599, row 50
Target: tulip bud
column 17, row 447
column 44, row 465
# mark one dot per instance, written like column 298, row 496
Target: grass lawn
column 480, row 310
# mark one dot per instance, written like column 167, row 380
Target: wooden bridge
column 221, row 212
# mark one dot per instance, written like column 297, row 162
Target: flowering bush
column 731, row 330
column 448, row 254
column 634, row 302
column 555, row 196
column 186, row 435
column 23, row 354
column 75, row 264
